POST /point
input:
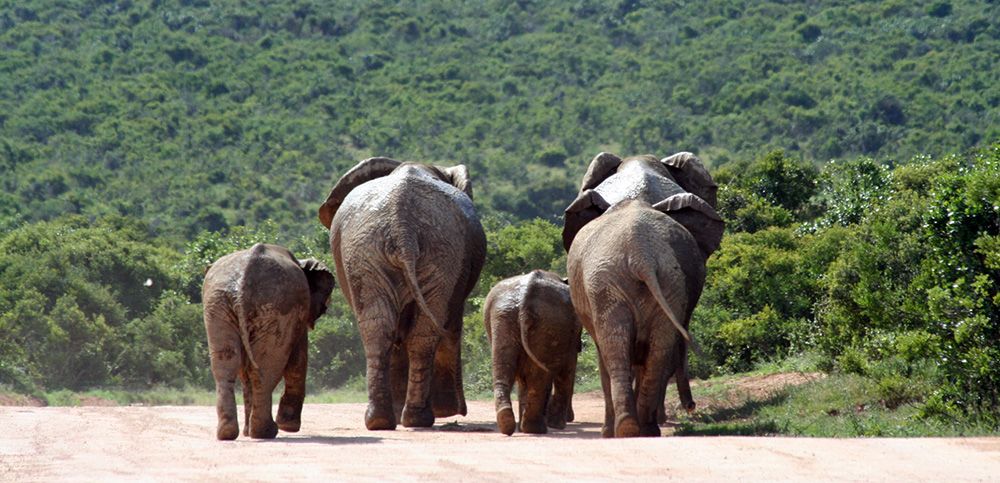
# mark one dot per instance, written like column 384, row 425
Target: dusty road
column 170, row 443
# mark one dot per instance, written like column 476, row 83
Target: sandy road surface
column 177, row 443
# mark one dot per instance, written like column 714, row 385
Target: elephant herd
column 409, row 247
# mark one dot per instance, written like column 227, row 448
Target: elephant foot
column 289, row 420
column 378, row 419
column 505, row 421
column 266, row 430
column 556, row 422
column 533, row 426
column 418, row 417
column 652, row 430
column 607, row 432
column 289, row 417
column 444, row 408
column 289, row 426
column 227, row 430
column 627, row 427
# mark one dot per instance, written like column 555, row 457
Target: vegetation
column 855, row 145
column 194, row 115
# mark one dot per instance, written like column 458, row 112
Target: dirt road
column 177, row 443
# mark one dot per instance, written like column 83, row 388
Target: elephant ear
column 691, row 174
column 321, row 284
column 458, row 176
column 587, row 207
column 366, row 170
column 698, row 217
column 602, row 166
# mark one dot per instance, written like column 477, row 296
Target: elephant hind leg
column 504, row 354
column 537, row 385
column 290, row 407
column 560, row 408
column 262, row 425
column 377, row 327
column 420, row 347
column 651, row 384
column 434, row 385
column 226, row 355
column 616, row 357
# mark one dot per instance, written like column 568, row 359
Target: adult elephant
column 534, row 340
column 408, row 247
column 259, row 305
column 638, row 236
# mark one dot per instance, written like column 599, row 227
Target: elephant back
column 273, row 279
column 375, row 168
column 611, row 180
column 638, row 179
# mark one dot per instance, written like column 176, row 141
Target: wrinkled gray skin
column 636, row 267
column 259, row 305
column 535, row 339
column 409, row 248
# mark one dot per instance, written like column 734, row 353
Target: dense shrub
column 899, row 264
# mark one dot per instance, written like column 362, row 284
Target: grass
column 838, row 405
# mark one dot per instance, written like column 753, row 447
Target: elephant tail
column 410, row 271
column 241, row 318
column 524, row 319
column 651, row 281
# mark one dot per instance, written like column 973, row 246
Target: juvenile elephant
column 638, row 237
column 259, row 305
column 535, row 339
column 408, row 247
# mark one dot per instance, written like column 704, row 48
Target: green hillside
column 855, row 144
column 194, row 116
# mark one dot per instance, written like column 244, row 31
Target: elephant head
column 658, row 179
column 377, row 167
column 321, row 284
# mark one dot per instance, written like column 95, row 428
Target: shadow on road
column 330, row 440
column 577, row 431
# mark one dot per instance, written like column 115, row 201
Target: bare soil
column 98, row 443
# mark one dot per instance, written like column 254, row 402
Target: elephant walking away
column 535, row 339
column 259, row 305
column 638, row 237
column 409, row 247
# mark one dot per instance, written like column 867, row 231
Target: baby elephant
column 259, row 305
column 535, row 338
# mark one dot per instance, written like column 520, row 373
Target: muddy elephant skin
column 409, row 247
column 259, row 306
column 535, row 339
column 636, row 266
